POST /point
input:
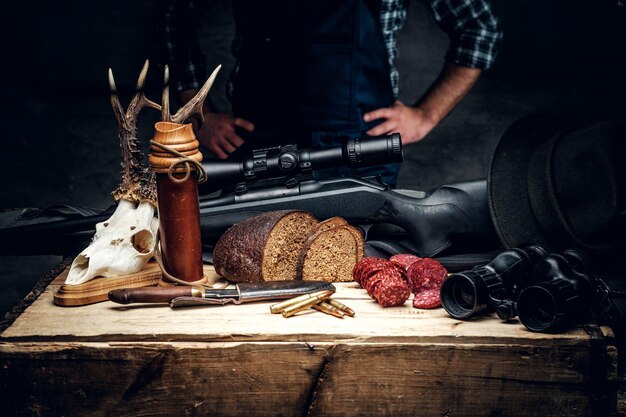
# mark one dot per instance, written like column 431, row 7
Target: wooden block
column 241, row 360
column 244, row 379
column 97, row 289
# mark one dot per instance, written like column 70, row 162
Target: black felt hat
column 560, row 186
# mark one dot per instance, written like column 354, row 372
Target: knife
column 182, row 296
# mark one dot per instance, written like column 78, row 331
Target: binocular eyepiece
column 563, row 291
column 490, row 287
column 544, row 290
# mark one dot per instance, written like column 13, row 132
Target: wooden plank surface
column 298, row 379
column 108, row 321
column 106, row 359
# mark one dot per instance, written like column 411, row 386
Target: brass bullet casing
column 279, row 307
column 303, row 305
column 344, row 308
column 325, row 307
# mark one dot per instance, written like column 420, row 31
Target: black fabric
column 559, row 186
column 312, row 65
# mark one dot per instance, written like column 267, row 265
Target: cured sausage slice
column 405, row 260
column 385, row 281
column 427, row 299
column 426, row 274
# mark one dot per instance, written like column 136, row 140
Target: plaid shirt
column 473, row 29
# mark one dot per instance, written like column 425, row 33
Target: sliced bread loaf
column 263, row 248
column 340, row 221
column 330, row 254
column 330, row 223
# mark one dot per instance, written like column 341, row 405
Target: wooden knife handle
column 151, row 294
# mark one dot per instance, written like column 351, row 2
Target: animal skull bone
column 121, row 245
column 124, row 243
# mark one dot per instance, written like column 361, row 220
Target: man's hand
column 412, row 123
column 217, row 133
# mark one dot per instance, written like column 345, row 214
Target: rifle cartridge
column 344, row 308
column 303, row 305
column 326, row 308
column 279, row 307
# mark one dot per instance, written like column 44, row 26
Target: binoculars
column 545, row 291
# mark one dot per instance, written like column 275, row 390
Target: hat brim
column 507, row 180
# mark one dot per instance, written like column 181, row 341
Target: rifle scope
column 285, row 161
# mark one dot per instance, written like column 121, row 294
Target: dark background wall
column 565, row 57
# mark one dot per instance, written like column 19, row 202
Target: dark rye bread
column 263, row 248
column 330, row 223
column 331, row 254
column 340, row 221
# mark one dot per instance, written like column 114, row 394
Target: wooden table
column 111, row 360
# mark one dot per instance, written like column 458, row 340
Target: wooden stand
column 97, row 289
column 109, row 359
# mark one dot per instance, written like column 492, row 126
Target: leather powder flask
column 173, row 150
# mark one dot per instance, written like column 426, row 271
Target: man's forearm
column 451, row 86
column 415, row 122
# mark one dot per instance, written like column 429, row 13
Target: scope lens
column 375, row 150
column 459, row 296
column 537, row 309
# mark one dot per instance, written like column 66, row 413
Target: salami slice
column 405, row 260
column 427, row 299
column 373, row 282
column 365, row 264
column 426, row 274
column 385, row 281
column 383, row 278
column 392, row 294
column 369, row 273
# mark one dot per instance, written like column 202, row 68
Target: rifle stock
column 432, row 219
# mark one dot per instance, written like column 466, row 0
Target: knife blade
column 181, row 296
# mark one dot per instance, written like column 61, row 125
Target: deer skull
column 123, row 244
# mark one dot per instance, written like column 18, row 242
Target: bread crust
column 360, row 241
column 238, row 254
column 330, row 223
column 320, row 231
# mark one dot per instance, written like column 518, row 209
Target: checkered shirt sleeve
column 473, row 29
column 392, row 17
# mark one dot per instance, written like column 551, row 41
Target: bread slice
column 330, row 223
column 360, row 241
column 263, row 248
column 340, row 221
column 331, row 254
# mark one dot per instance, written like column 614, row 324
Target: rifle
column 283, row 177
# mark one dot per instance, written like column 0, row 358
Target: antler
column 193, row 106
column 138, row 183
